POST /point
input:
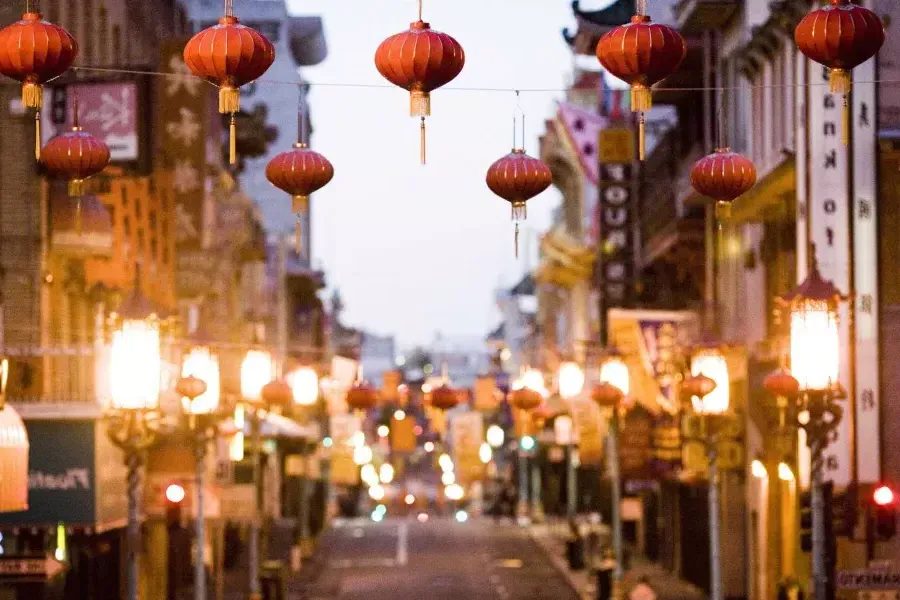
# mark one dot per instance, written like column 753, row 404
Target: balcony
column 697, row 16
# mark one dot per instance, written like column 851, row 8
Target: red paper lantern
column 641, row 53
column 33, row 52
column 362, row 396
column 723, row 176
column 525, row 398
column 444, row 397
column 229, row 55
column 606, row 395
column 75, row 155
column 518, row 178
column 277, row 393
column 782, row 384
column 697, row 386
column 299, row 172
column 420, row 60
column 191, row 387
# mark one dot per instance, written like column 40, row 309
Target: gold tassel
column 232, row 141
column 298, row 227
column 76, row 188
column 516, row 241
column 642, row 137
column 840, row 81
column 422, row 141
column 229, row 100
column 78, row 227
column 641, row 99
column 300, row 204
column 845, row 122
column 723, row 211
column 419, row 104
column 37, row 135
column 32, row 95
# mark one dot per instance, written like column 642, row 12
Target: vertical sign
column 616, row 251
column 801, row 98
column 829, row 214
column 467, row 435
column 865, row 275
column 183, row 103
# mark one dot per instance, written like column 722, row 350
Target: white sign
column 868, row 579
column 865, row 274
column 829, row 214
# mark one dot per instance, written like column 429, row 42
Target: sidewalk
column 552, row 538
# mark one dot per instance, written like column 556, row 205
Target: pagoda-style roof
column 592, row 25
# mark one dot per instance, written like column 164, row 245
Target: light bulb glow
column 204, row 365
column 429, row 447
column 304, row 384
column 758, row 470
column 533, row 379
column 257, row 369
column 883, row 496
column 135, row 365
column 376, row 493
column 386, row 473
column 410, row 499
column 369, row 475
column 527, row 443
column 485, row 453
column 362, row 455
column 712, row 364
column 495, row 436
column 399, row 415
column 445, row 462
column 462, row 516
column 571, row 380
column 785, row 473
column 383, row 431
column 615, row 372
column 454, row 491
column 815, row 345
column 175, row 493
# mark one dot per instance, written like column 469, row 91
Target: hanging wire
column 303, row 116
column 229, row 8
column 642, row 7
column 420, row 9
column 721, row 131
column 518, row 110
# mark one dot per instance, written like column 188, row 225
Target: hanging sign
column 616, row 237
column 865, row 275
column 590, row 430
column 467, row 435
column 829, row 213
column 487, row 396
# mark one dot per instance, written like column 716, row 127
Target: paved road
column 438, row 560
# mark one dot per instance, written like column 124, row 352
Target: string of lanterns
column 840, row 36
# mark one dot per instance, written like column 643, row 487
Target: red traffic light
column 883, row 496
column 175, row 493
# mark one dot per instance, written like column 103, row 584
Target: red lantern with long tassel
column 841, row 37
column 362, row 396
column 420, row 60
column 75, row 155
column 33, row 52
column 517, row 178
column 299, row 172
column 229, row 55
column 641, row 53
column 723, row 176
column 444, row 397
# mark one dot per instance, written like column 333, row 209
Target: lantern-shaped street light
column 305, row 384
column 13, row 452
column 528, row 393
column 570, row 380
column 711, row 363
column 813, row 387
column 134, row 372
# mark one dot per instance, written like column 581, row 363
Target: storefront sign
column 616, row 238
column 590, row 430
column 487, row 396
column 403, row 435
column 829, row 214
column 636, row 444
column 865, row 275
column 467, row 436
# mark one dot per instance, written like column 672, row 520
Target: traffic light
column 885, row 505
column 174, row 497
column 806, row 522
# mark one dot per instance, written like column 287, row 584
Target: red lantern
column 697, row 386
column 525, row 399
column 229, row 55
column 641, row 54
column 518, row 178
column 362, row 396
column 606, row 395
column 277, row 393
column 444, row 397
column 191, row 387
column 723, row 176
column 420, row 60
column 33, row 52
column 75, row 155
column 782, row 384
column 299, row 172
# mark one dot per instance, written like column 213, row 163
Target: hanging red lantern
column 299, row 172
column 606, row 395
column 517, row 178
column 362, row 396
column 75, row 155
column 229, row 55
column 525, row 399
column 841, row 37
column 444, row 397
column 33, row 52
column 698, row 386
column 782, row 384
column 277, row 393
column 723, row 176
column 641, row 53
column 420, row 60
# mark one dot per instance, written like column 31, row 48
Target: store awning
column 13, row 461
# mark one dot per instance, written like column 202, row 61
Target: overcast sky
column 418, row 250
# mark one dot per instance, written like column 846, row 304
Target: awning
column 773, row 198
column 13, row 461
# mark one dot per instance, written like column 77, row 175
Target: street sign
column 21, row 568
column 868, row 579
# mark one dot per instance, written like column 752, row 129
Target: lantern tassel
column 232, row 141
column 299, row 204
column 845, row 122
column 422, row 141
column 76, row 188
column 78, row 227
column 37, row 135
column 32, row 94
column 298, row 231
column 516, row 240
column 419, row 104
column 723, row 211
column 642, row 137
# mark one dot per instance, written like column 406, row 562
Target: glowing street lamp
column 570, row 380
column 305, row 384
column 202, row 364
column 711, row 363
column 495, row 436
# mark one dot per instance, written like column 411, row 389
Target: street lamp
column 199, row 388
column 495, row 436
column 570, row 380
column 257, row 370
column 305, row 384
column 134, row 372
column 814, row 389
column 615, row 385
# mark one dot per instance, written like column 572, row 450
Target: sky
column 419, row 250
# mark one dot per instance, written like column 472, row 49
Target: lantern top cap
column 814, row 287
column 32, row 16
column 723, row 150
column 640, row 19
column 229, row 20
column 419, row 25
column 136, row 306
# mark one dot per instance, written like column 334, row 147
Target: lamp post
column 257, row 370
column 304, row 384
column 528, row 392
column 813, row 386
column 571, row 384
column 708, row 389
column 615, row 376
column 133, row 417
column 199, row 388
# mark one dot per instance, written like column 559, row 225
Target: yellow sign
column 616, row 146
column 487, row 396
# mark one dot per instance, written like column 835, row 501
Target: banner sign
column 616, row 265
column 829, row 214
column 590, row 430
column 636, row 444
column 467, row 435
column 487, row 396
column 865, row 275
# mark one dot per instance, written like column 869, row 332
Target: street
column 437, row 560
